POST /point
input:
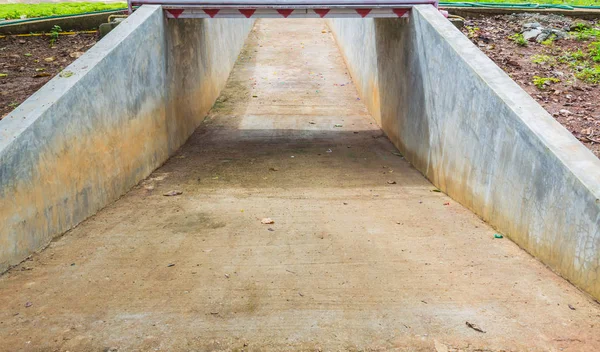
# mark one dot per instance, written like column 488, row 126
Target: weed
column 589, row 74
column 573, row 58
column 472, row 31
column 54, row 34
column 542, row 82
column 518, row 39
column 585, row 34
column 549, row 41
column 543, row 59
column 595, row 51
column 580, row 27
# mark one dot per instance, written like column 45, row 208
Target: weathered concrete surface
column 352, row 264
column 84, row 140
column 475, row 134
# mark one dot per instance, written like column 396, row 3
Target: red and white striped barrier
column 285, row 13
column 284, row 8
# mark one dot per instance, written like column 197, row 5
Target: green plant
column 472, row 31
column 589, row 74
column 518, row 39
column 595, row 51
column 543, row 59
column 542, row 82
column 573, row 58
column 549, row 41
column 16, row 11
column 54, row 34
column 580, row 27
column 586, row 33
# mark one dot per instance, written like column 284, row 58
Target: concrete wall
column 82, row 141
column 479, row 137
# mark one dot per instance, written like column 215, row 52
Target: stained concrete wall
column 83, row 140
column 479, row 137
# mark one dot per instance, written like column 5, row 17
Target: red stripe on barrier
column 211, row 12
column 321, row 12
column 247, row 12
column 400, row 12
column 175, row 12
column 363, row 12
column 285, row 13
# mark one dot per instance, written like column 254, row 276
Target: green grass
column 542, row 82
column 589, row 75
column 543, row 59
column 518, row 39
column 16, row 11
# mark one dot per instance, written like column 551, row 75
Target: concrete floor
column 351, row 263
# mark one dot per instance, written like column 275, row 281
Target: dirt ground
column 363, row 254
column 30, row 62
column 570, row 99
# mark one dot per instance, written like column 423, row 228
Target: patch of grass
column 542, row 82
column 549, row 41
column 518, row 39
column 580, row 27
column 472, row 31
column 16, row 11
column 543, row 59
column 54, row 34
column 585, row 34
column 595, row 51
column 573, row 58
column 589, row 74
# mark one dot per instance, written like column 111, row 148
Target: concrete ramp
column 363, row 252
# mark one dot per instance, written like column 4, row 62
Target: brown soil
column 30, row 62
column 577, row 99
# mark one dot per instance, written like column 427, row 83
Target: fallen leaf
column 267, row 221
column 3, row 74
column 66, row 74
column 474, row 327
column 273, row 169
column 40, row 69
column 76, row 54
column 172, row 193
column 391, row 182
column 49, row 59
column 41, row 74
column 571, row 307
